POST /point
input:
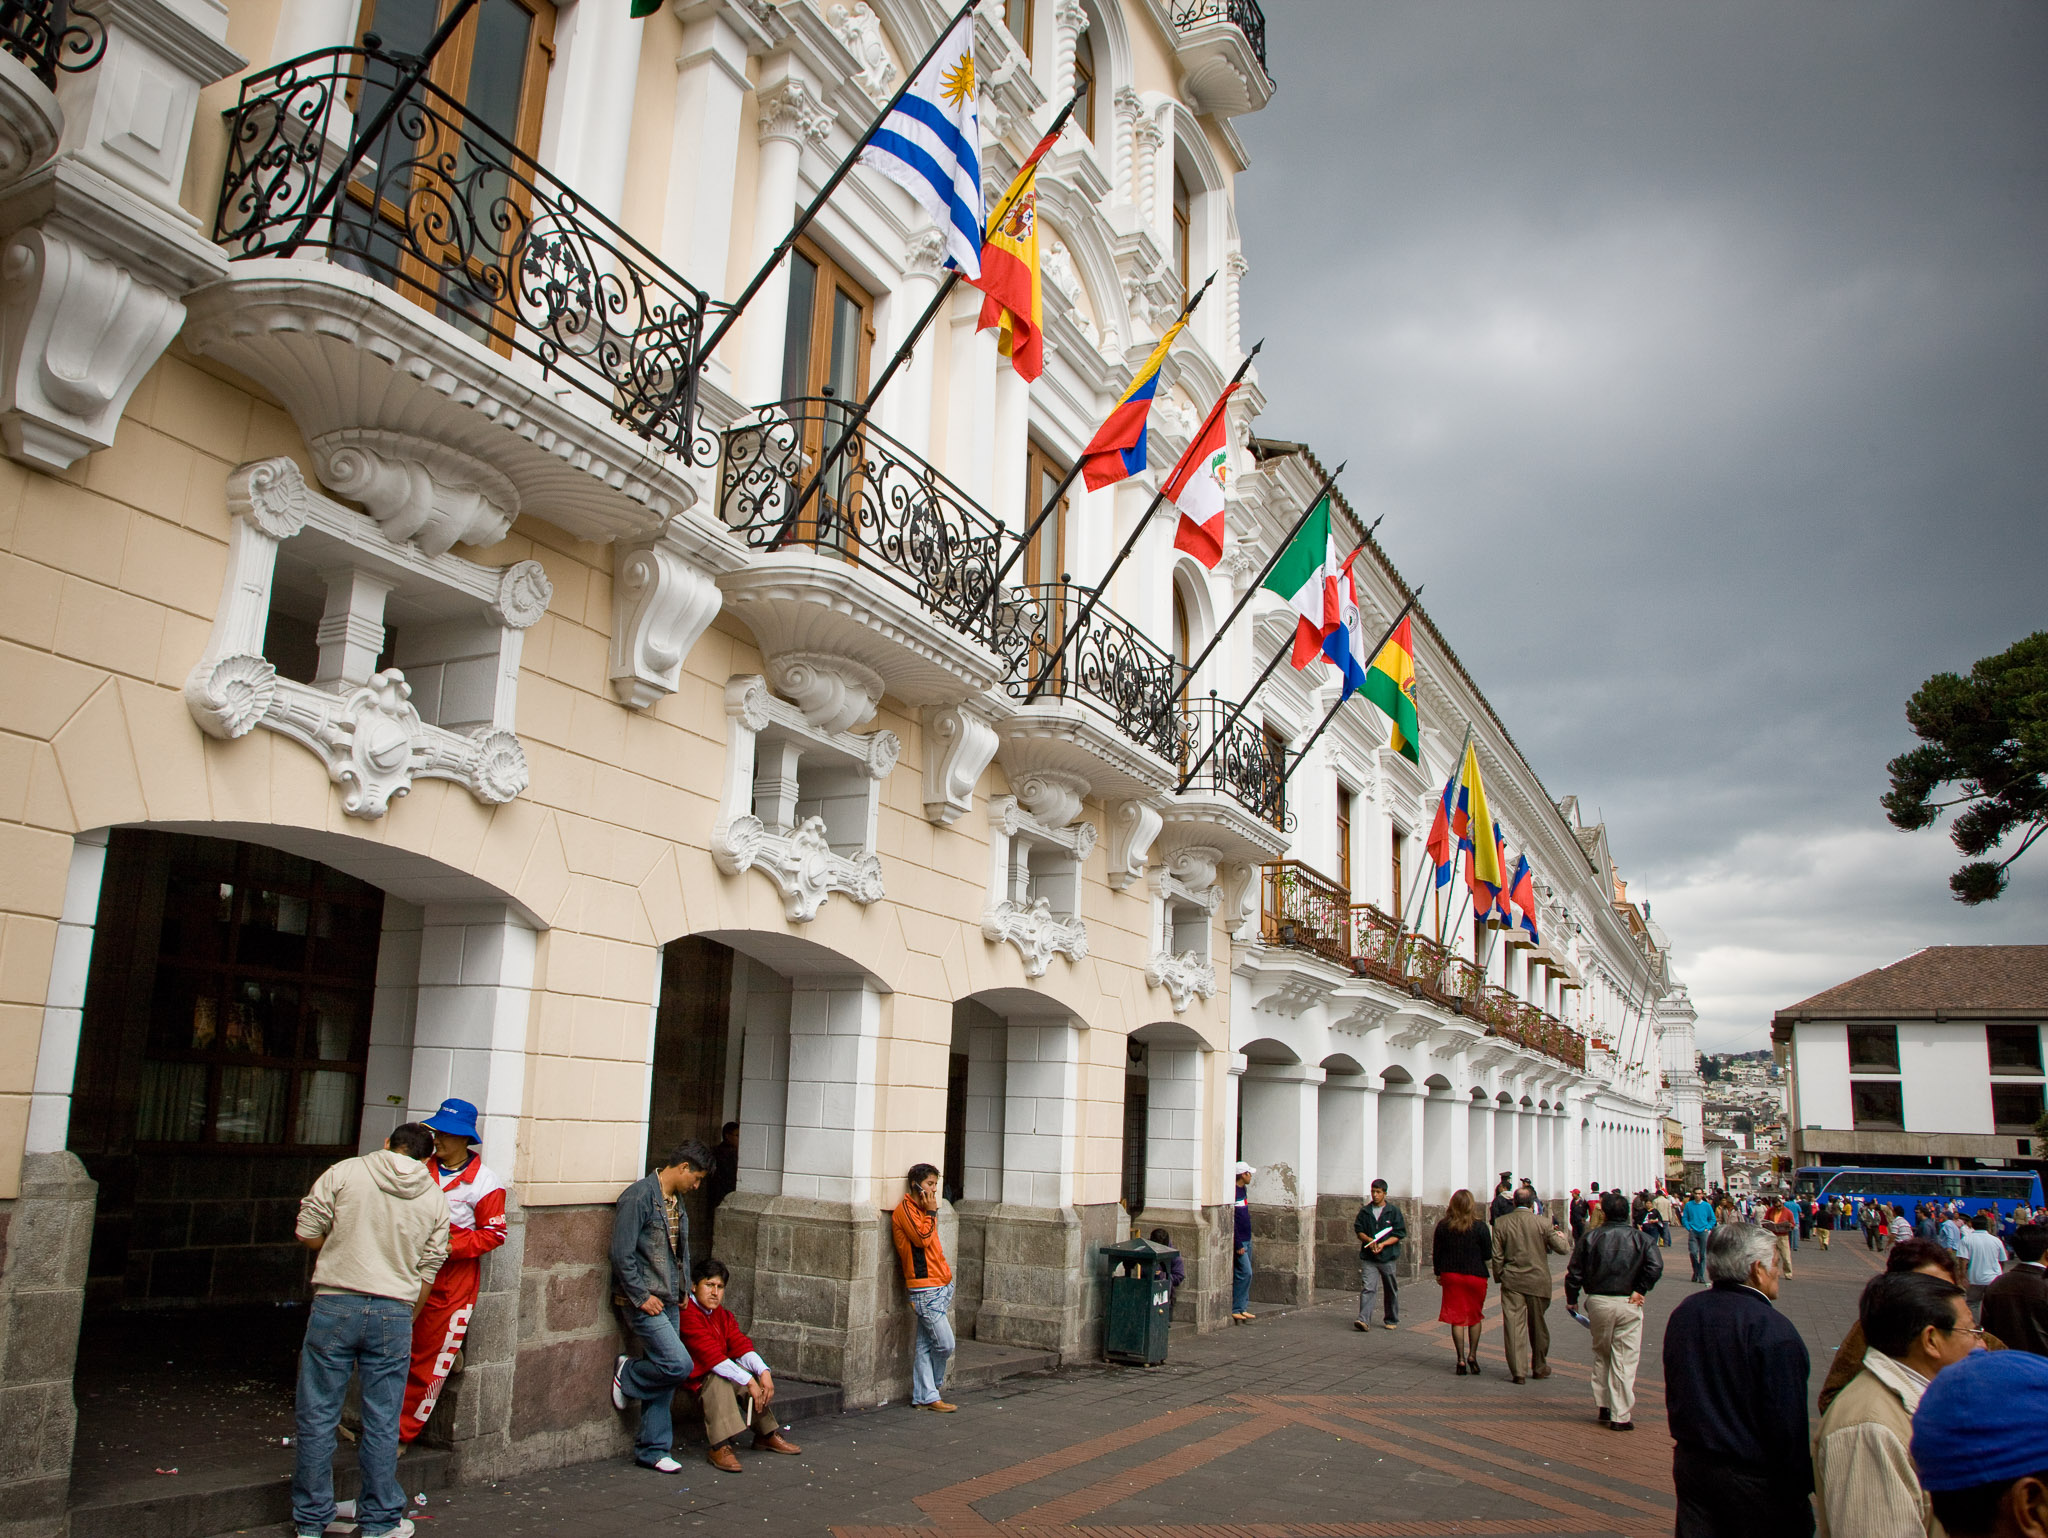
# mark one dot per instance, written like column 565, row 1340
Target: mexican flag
column 1307, row 575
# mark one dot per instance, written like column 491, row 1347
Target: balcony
column 887, row 565
column 1304, row 909
column 1222, row 47
column 39, row 37
column 1234, row 801
column 434, row 308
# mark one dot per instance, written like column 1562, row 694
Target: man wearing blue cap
column 476, row 1226
column 1980, row 1441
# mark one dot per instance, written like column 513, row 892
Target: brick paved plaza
column 1295, row 1425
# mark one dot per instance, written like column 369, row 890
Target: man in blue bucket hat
column 476, row 1226
column 1980, row 1441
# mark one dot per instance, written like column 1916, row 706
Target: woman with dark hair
column 1459, row 1252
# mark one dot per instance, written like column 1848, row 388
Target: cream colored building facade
column 420, row 681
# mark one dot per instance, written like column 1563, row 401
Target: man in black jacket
column 1380, row 1229
column 1503, row 1198
column 1614, row 1265
column 1735, row 1375
column 2016, row 1305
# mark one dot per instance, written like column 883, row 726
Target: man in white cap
column 1241, row 1239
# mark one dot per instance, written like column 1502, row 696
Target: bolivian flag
column 1014, row 303
column 1390, row 684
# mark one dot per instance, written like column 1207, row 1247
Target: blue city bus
column 2001, row 1190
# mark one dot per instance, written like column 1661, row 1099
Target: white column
column 711, row 87
column 1446, row 1122
column 981, row 1178
column 1480, row 1163
column 1347, row 1134
column 1174, row 1128
column 1069, row 18
column 1234, row 269
column 1280, row 1104
column 835, row 1026
column 908, row 408
column 1042, row 1092
column 49, row 1109
column 590, row 104
column 1401, row 1142
column 761, row 1008
column 306, row 25
column 394, row 1010
column 1012, row 429
column 790, row 114
column 469, row 1029
column 970, row 396
column 1529, row 1139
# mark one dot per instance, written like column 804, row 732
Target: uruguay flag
column 930, row 145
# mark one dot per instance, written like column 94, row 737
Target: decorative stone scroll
column 1034, row 899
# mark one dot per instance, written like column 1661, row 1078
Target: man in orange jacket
column 476, row 1226
column 929, row 1281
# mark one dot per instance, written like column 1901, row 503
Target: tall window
column 1183, row 222
column 1400, row 889
column 1045, row 558
column 2014, row 1048
column 1017, row 17
column 1183, row 636
column 830, row 332
column 1344, row 838
column 1084, row 82
column 1276, row 755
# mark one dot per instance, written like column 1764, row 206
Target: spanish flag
column 1390, row 684
column 1118, row 448
column 1014, row 304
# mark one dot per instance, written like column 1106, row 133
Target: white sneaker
column 663, row 1465
column 618, row 1393
column 403, row 1530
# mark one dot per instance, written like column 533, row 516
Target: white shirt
column 1986, row 1254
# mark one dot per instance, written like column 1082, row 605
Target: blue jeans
column 1696, row 1248
column 1241, row 1281
column 934, row 1346
column 652, row 1378
column 350, row 1334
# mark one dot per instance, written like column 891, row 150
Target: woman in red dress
column 1459, row 1251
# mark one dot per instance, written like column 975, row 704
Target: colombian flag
column 1118, row 448
column 1390, row 684
column 1009, row 272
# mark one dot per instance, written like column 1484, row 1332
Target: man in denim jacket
column 651, row 1275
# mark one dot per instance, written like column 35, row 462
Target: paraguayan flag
column 930, row 144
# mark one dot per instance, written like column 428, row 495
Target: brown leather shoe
column 774, row 1442
column 1541, row 1372
column 724, row 1459
column 938, row 1406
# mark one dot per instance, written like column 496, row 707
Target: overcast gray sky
column 1698, row 355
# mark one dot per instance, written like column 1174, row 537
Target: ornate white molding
column 958, row 745
column 1012, row 820
column 861, row 30
column 662, row 603
column 31, row 122
column 364, row 729
column 791, row 110
column 1185, row 977
column 924, row 254
column 1189, row 874
column 1052, row 796
column 1240, row 896
column 433, row 495
column 835, row 694
column 1133, row 825
column 1036, row 932
column 759, row 825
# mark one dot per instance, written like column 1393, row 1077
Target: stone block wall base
column 1423, row 1218
column 43, row 1249
column 564, row 1340
column 968, row 1255
column 1203, row 1239
column 1283, row 1255
column 1337, row 1241
column 1042, row 1276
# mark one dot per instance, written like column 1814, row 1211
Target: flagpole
column 1302, row 757
column 817, row 204
column 859, row 416
column 1052, row 658
column 1067, row 480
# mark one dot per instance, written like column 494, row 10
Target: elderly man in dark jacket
column 1735, row 1393
column 650, row 1274
column 1615, row 1266
column 1523, row 1243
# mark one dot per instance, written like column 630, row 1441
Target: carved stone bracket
column 958, row 745
column 1240, row 896
column 1051, row 796
column 1189, row 875
column 835, row 694
column 770, row 749
column 433, row 495
column 1185, row 977
column 1037, row 933
column 1133, row 825
column 662, row 603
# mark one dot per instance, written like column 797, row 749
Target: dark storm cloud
column 1699, row 353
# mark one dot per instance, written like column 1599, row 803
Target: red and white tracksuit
column 476, row 1226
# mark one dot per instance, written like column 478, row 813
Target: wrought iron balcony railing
column 1245, row 15
column 1303, row 908
column 1111, row 667
column 1244, row 765
column 883, row 507
column 47, row 35
column 447, row 211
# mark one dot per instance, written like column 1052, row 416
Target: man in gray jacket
column 650, row 1276
column 1523, row 1243
column 379, row 1224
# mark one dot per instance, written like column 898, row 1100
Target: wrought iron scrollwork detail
column 882, row 507
column 1245, row 15
column 1111, row 666
column 446, row 210
column 1245, row 765
column 47, row 35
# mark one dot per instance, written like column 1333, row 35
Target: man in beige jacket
column 1523, row 1243
column 379, row 1224
column 1862, row 1461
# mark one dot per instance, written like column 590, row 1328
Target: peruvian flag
column 1196, row 487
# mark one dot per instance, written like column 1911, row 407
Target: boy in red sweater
column 726, row 1366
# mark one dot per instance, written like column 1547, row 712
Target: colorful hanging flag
column 1015, row 303
column 1390, row 684
column 1522, row 896
column 1489, row 892
column 1118, row 448
column 930, row 145
column 1197, row 484
column 1345, row 644
column 1442, row 846
column 1306, row 575
column 1483, row 872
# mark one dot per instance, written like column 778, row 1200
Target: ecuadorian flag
column 1472, row 822
column 1390, row 684
column 1118, row 448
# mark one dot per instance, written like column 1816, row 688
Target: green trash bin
column 1139, row 1304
